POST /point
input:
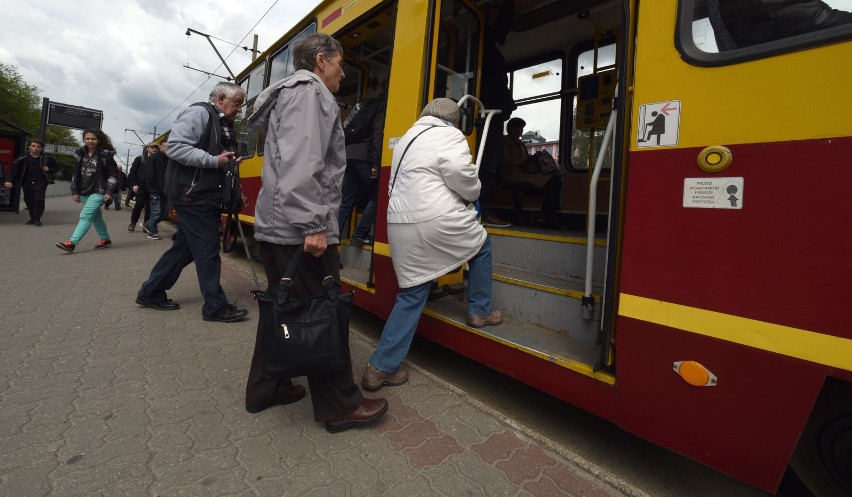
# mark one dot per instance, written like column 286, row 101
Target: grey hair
column 230, row 90
column 305, row 53
column 443, row 108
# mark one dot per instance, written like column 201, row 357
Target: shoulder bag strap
column 399, row 165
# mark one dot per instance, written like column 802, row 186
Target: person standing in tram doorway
column 33, row 172
column 363, row 129
column 95, row 181
column 296, row 210
column 432, row 229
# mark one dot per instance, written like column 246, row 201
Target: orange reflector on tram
column 695, row 374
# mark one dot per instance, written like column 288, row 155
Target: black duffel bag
column 304, row 336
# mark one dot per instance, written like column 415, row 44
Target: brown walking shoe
column 374, row 379
column 370, row 411
column 476, row 321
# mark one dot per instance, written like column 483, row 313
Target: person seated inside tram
column 751, row 22
column 539, row 172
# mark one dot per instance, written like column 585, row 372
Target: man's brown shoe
column 370, row 411
column 476, row 321
column 374, row 379
column 294, row 394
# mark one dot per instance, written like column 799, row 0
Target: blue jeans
column 196, row 240
column 154, row 207
column 91, row 214
column 357, row 181
column 402, row 323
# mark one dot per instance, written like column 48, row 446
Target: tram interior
column 552, row 47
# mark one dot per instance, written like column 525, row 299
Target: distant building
column 535, row 142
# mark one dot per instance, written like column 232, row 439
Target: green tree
column 21, row 104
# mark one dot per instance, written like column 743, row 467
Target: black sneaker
column 37, row 222
column 357, row 241
column 30, row 222
column 131, row 227
column 227, row 314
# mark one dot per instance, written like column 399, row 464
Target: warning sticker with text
column 713, row 193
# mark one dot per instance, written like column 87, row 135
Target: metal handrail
column 588, row 302
column 488, row 114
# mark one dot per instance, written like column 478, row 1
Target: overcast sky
column 127, row 58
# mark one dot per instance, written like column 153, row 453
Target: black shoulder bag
column 232, row 203
column 304, row 336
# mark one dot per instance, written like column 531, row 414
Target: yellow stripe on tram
column 793, row 342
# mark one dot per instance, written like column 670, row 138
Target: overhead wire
column 236, row 46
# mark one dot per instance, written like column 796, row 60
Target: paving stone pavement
column 100, row 397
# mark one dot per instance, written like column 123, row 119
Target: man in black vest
column 33, row 172
column 201, row 142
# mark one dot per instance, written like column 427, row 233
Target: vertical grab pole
column 588, row 303
column 488, row 115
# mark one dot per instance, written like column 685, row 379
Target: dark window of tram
column 247, row 135
column 456, row 57
column 725, row 26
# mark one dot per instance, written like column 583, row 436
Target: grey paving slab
column 99, row 396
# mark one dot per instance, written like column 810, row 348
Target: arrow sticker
column 659, row 124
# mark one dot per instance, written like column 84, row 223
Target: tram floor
column 654, row 471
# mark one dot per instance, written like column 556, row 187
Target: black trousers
column 334, row 394
column 142, row 198
column 34, row 194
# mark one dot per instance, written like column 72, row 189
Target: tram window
column 456, row 57
column 719, row 32
column 281, row 64
column 255, row 82
column 585, row 143
column 537, row 91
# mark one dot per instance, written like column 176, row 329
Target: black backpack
column 359, row 123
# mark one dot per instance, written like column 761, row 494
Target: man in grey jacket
column 296, row 210
column 201, row 142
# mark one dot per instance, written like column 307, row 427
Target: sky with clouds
column 127, row 58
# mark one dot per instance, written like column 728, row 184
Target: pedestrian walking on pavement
column 432, row 229
column 33, row 172
column 94, row 181
column 122, row 185
column 201, row 142
column 296, row 210
column 153, row 174
column 137, row 189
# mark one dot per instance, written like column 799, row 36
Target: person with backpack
column 363, row 130
column 33, row 172
column 94, row 181
column 201, row 143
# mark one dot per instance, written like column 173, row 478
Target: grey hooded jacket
column 305, row 159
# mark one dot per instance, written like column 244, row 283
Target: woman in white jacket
column 432, row 229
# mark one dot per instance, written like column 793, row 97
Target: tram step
column 556, row 348
column 561, row 256
column 545, row 302
column 355, row 257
